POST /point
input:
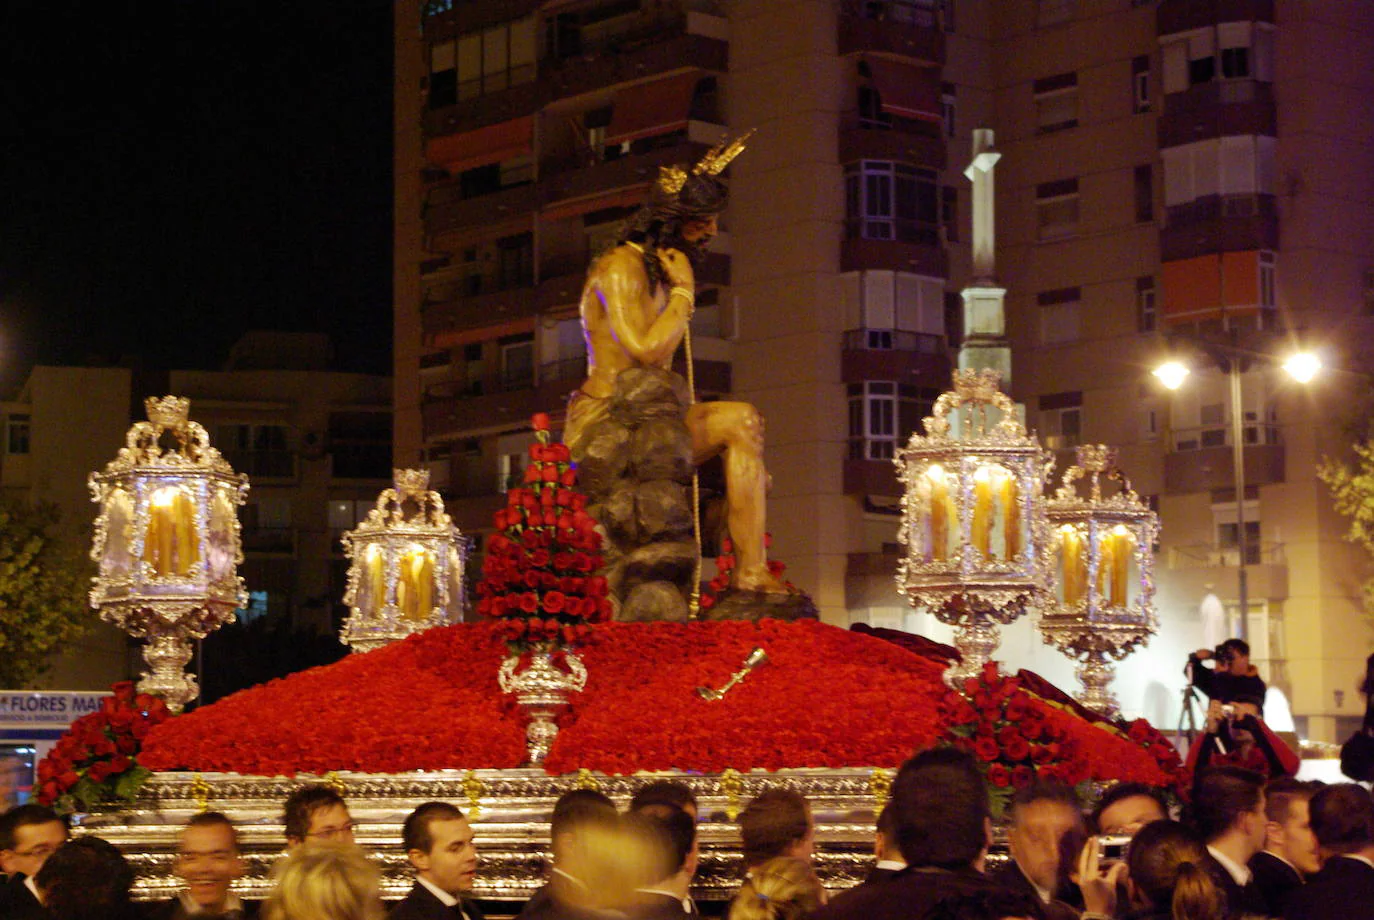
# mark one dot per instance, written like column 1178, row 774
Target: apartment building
column 1170, row 171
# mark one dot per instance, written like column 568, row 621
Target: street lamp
column 1302, row 366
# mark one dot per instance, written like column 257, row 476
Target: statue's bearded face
column 693, row 237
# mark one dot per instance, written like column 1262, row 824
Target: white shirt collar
column 33, row 889
column 686, row 902
column 892, row 865
column 444, row 897
column 188, row 904
column 1241, row 874
column 1045, row 896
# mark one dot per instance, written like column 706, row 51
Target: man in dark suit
column 1047, row 832
column 439, row 844
column 29, row 834
column 889, row 862
column 578, row 816
column 1228, row 811
column 208, row 861
column 944, row 827
column 670, row 840
column 1343, row 821
column 1290, row 847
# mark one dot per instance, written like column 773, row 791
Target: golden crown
column 671, row 179
column 168, row 412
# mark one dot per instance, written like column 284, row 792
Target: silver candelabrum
column 542, row 689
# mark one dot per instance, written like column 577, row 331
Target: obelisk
column 985, row 325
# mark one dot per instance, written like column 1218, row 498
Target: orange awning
column 1192, row 287
column 650, row 109
column 482, row 147
column 906, row 91
column 621, row 198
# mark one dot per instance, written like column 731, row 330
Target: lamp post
column 1302, row 366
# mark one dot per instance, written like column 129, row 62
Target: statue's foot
column 758, row 578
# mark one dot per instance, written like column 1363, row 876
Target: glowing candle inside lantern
column 374, row 586
column 982, row 510
column 414, row 588
column 1011, row 515
column 1074, row 574
column 939, row 511
column 184, row 525
column 159, row 541
column 1123, row 548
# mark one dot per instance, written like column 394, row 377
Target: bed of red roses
column 826, row 698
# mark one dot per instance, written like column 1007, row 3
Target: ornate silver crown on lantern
column 167, row 543
column 1104, row 562
column 973, row 517
column 406, row 562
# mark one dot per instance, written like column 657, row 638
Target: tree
column 43, row 585
column 1352, row 488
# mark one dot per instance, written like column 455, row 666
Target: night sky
column 173, row 174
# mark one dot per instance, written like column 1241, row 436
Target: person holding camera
column 1233, row 676
column 1236, row 736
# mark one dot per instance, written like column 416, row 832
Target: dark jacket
column 17, row 902
column 1061, row 908
column 876, row 876
column 172, row 909
column 1344, row 888
column 909, row 895
column 1275, row 879
column 552, row 903
column 421, row 904
column 1239, row 899
column 658, row 907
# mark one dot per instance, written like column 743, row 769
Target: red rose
column 98, row 772
column 554, row 602
column 124, row 690
column 529, row 602
column 1017, row 748
column 531, row 474
column 549, row 474
column 539, row 558
column 998, row 775
column 582, row 562
column 1016, row 707
column 120, row 763
column 1140, row 731
column 68, row 780
column 540, row 421
column 985, row 729
column 1021, row 776
column 985, row 749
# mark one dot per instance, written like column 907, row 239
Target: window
column 1056, row 209
column 515, row 261
column 882, row 414
column 1190, row 60
column 258, row 450
column 871, row 114
column 346, row 514
column 1140, row 83
column 1061, row 419
column 949, row 212
column 360, row 444
column 1053, row 12
column 17, row 435
column 891, row 201
column 1056, row 102
column 1060, row 315
column 1233, row 38
column 1144, row 193
column 1149, row 423
column 1238, row 168
column 481, row 62
column 1146, row 305
column 893, row 310
column 517, row 362
column 1267, row 301
column 1228, row 531
column 511, row 470
column 947, row 107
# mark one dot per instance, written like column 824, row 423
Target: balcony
column 895, row 27
column 573, row 177
column 445, row 212
column 870, row 477
column 445, row 19
column 479, row 310
column 1194, row 570
column 488, row 109
column 659, row 48
column 1219, row 108
column 1215, row 223
column 917, row 143
column 917, row 358
column 497, row 399
column 1202, row 461
column 895, row 245
column 1185, row 15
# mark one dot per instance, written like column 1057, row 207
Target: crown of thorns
column 671, row 179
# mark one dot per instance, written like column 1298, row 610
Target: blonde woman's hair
column 325, row 881
column 782, row 888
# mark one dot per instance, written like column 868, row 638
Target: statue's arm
column 622, row 295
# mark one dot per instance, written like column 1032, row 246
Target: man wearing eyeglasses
column 317, row 813
column 29, row 834
column 208, row 861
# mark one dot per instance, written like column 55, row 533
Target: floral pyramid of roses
column 537, row 581
column 432, row 702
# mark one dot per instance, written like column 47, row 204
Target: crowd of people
column 1243, row 847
